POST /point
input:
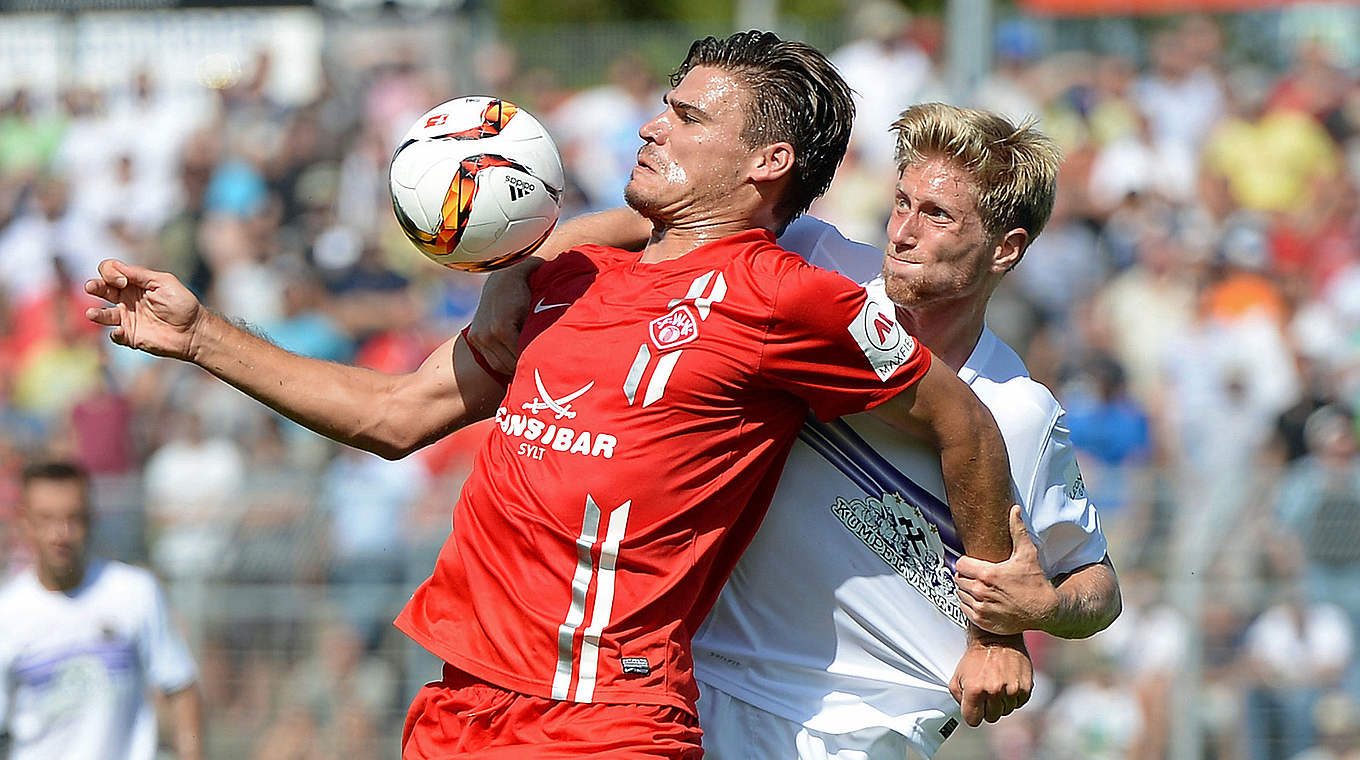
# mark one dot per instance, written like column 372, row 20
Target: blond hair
column 1015, row 169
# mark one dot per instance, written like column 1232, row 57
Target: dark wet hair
column 796, row 96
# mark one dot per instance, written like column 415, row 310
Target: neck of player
column 678, row 236
column 950, row 329
column 54, row 580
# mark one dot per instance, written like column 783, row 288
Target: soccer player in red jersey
column 638, row 443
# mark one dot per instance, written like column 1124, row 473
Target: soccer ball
column 476, row 184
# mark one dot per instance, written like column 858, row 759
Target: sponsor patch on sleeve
column 884, row 343
column 1076, row 487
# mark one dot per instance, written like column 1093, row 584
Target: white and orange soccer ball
column 476, row 184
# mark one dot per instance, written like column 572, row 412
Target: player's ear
column 771, row 162
column 1009, row 249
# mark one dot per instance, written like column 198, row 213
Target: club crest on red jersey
column 678, row 327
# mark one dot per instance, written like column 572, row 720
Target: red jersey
column 635, row 453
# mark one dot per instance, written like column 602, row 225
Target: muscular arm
column 505, row 294
column 943, row 410
column 1013, row 595
column 390, row 415
column 1088, row 601
column 995, row 675
column 186, row 720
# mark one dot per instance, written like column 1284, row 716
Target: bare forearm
column 186, row 707
column 977, row 480
column 978, row 485
column 1088, row 601
column 351, row 405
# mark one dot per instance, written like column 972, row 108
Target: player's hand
column 495, row 327
column 993, row 679
column 150, row 311
column 1011, row 596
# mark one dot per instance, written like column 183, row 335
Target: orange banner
column 1142, row 7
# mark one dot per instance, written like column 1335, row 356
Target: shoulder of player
column 785, row 273
column 123, row 578
column 15, row 585
column 585, row 260
column 1018, row 401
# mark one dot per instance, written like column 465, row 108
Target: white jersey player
column 84, row 644
column 841, row 616
column 837, row 634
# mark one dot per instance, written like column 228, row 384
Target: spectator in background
column 43, row 231
column 596, row 129
column 366, row 500
column 28, row 137
column 341, row 683
column 1144, row 307
column 1149, row 643
column 1009, row 89
column 1295, row 651
column 1094, row 718
column 1319, row 504
column 1288, row 150
column 1336, row 721
column 1111, row 432
column 85, row 641
column 886, row 69
column 1181, row 97
column 193, row 486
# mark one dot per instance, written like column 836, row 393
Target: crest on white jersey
column 901, row 536
column 884, row 343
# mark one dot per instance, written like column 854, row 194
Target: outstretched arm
column 389, row 415
column 995, row 675
column 505, row 294
column 1014, row 595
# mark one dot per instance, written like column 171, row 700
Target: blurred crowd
column 1194, row 303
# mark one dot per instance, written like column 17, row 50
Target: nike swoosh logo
column 540, row 306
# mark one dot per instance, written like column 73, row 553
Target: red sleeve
column 837, row 345
column 499, row 377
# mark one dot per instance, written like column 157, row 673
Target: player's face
column 692, row 157
column 57, row 520
column 938, row 249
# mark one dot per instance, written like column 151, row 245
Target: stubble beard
column 906, row 292
column 638, row 200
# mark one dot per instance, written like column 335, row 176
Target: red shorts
column 464, row 716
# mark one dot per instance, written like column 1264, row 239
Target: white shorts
column 735, row 730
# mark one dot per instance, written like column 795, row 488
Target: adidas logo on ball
column 518, row 187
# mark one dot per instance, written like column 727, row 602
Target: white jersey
column 841, row 615
column 77, row 666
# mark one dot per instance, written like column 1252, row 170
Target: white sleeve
column 822, row 245
column 1061, row 518
column 169, row 665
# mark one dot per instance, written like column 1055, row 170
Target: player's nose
column 902, row 230
column 653, row 131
